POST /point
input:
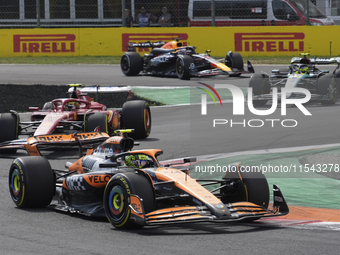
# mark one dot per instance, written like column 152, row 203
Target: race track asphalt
column 180, row 131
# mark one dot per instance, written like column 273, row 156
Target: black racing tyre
column 328, row 85
column 256, row 189
column 131, row 63
column 256, row 186
column 183, row 65
column 31, row 182
column 234, row 60
column 47, row 106
column 252, row 188
column 96, row 122
column 136, row 115
column 261, row 85
column 337, row 73
column 117, row 197
column 9, row 129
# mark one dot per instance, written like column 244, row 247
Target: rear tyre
column 117, row 198
column 131, row 63
column 329, row 87
column 234, row 60
column 97, row 122
column 137, row 115
column 9, row 129
column 261, row 85
column 183, row 65
column 31, row 182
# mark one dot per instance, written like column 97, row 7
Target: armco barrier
column 249, row 41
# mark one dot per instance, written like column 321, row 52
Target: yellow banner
column 249, row 41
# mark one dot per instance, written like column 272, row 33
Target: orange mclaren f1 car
column 174, row 59
column 133, row 189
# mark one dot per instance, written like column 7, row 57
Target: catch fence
column 111, row 13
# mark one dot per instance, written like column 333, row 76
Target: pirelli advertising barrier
column 249, row 41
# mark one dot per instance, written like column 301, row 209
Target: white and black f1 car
column 172, row 59
column 132, row 189
column 302, row 73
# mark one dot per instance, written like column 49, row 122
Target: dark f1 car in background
column 172, row 59
column 132, row 189
column 302, row 73
column 76, row 113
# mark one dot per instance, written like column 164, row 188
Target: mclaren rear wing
column 35, row 143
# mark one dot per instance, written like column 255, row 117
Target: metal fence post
column 123, row 14
column 38, row 12
column 307, row 14
column 213, row 13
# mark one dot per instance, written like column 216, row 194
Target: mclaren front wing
column 232, row 212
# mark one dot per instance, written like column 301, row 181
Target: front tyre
column 96, row 122
column 251, row 187
column 234, row 60
column 329, row 87
column 31, row 182
column 9, row 129
column 261, row 85
column 183, row 65
column 131, row 63
column 256, row 186
column 137, row 115
column 117, row 198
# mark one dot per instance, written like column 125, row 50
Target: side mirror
column 185, row 160
column 189, row 159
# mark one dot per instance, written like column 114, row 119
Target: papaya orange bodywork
column 187, row 184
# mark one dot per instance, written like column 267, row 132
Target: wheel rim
column 125, row 64
column 117, row 202
column 147, row 119
column 180, row 68
column 15, row 186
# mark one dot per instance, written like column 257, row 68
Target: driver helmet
column 304, row 70
column 71, row 106
column 182, row 51
column 136, row 160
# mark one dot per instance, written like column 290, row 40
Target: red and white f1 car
column 76, row 113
